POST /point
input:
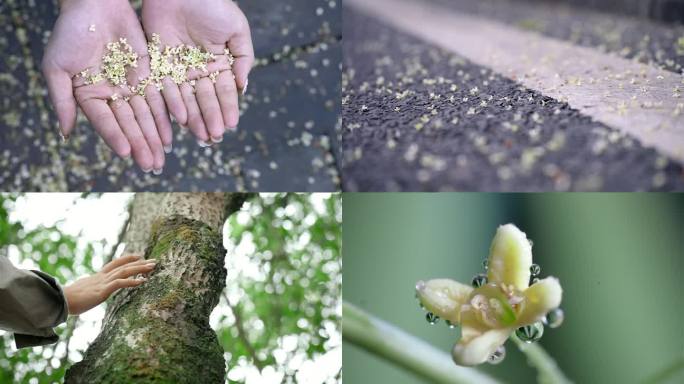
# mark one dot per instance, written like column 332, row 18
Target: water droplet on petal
column 479, row 280
column 485, row 264
column 555, row 318
column 450, row 324
column 431, row 318
column 498, row 355
column 530, row 333
column 420, row 285
column 535, row 269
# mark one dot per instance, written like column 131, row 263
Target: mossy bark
column 159, row 332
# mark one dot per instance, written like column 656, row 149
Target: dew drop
column 479, row 280
column 431, row 318
column 530, row 333
column 485, row 264
column 420, row 285
column 450, row 324
column 498, row 355
column 555, row 318
column 535, row 269
column 531, row 242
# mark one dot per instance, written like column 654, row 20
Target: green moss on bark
column 160, row 333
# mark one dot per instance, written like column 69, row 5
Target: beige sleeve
column 31, row 304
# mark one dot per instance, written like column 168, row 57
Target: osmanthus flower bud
column 490, row 313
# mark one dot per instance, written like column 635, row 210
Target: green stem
column 667, row 372
column 407, row 351
column 546, row 366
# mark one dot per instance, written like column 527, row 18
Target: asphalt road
column 642, row 39
column 417, row 117
column 289, row 129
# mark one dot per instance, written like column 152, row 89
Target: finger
column 241, row 48
column 130, row 270
column 143, row 116
column 195, row 121
column 62, row 97
column 100, row 115
column 226, row 91
column 129, row 264
column 211, row 110
column 161, row 116
column 141, row 152
column 219, row 64
column 119, row 262
column 174, row 101
column 123, row 283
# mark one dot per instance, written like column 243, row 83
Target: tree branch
column 122, row 232
column 406, row 351
column 242, row 334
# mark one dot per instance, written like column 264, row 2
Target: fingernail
column 220, row 139
column 202, row 143
column 141, row 278
column 244, row 89
column 183, row 126
column 146, row 170
column 63, row 136
column 173, row 120
column 158, row 171
column 168, row 148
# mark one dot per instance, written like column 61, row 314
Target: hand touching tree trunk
column 160, row 332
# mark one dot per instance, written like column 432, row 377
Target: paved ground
column 417, row 117
column 288, row 133
column 647, row 41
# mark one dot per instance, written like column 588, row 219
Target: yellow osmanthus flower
column 489, row 314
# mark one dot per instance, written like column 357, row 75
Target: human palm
column 131, row 124
column 209, row 108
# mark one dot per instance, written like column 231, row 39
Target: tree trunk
column 159, row 332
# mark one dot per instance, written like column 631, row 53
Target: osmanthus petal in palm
column 489, row 314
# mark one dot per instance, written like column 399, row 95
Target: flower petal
column 443, row 297
column 539, row 299
column 510, row 258
column 475, row 347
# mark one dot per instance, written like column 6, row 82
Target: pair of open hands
column 141, row 126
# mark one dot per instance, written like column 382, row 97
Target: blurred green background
column 619, row 257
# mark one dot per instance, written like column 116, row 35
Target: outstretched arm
column 32, row 303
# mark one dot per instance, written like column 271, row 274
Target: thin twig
column 405, row 350
column 72, row 322
column 242, row 334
